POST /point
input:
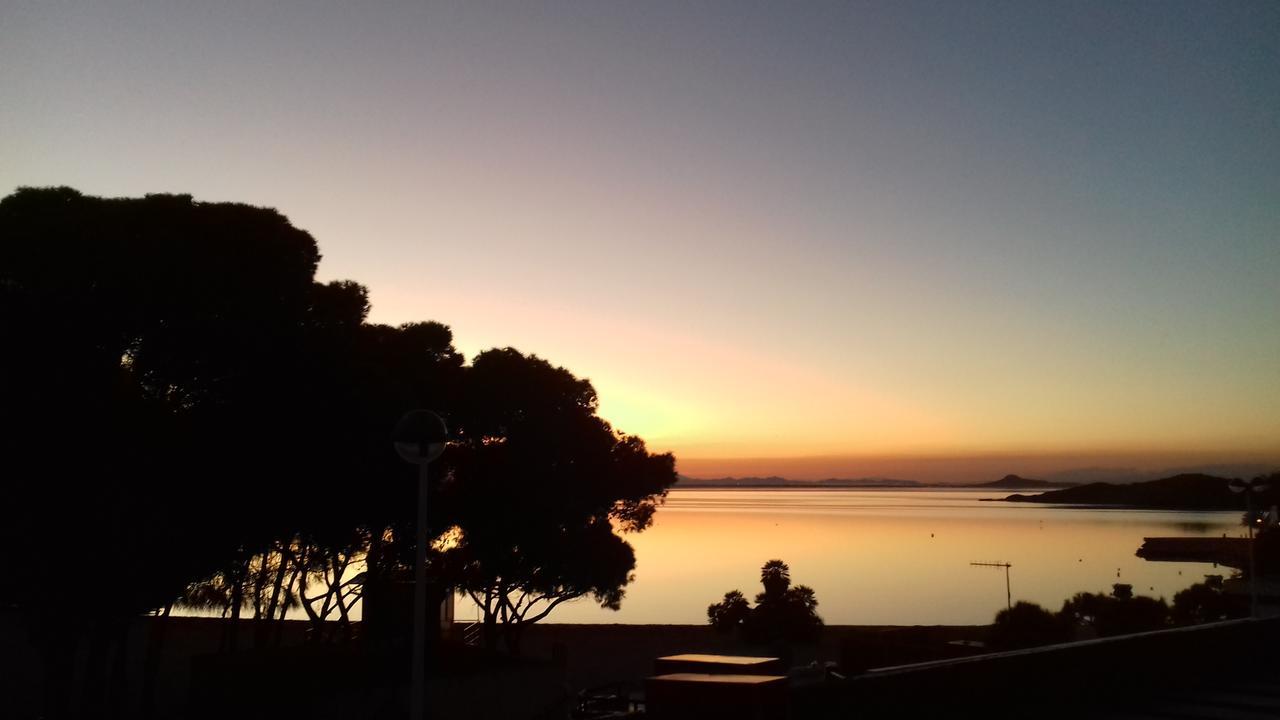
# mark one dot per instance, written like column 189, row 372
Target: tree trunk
column 317, row 625
column 294, row 575
column 338, row 571
column 237, row 600
column 511, row 631
column 260, row 585
column 490, row 622
column 277, row 586
column 373, row 565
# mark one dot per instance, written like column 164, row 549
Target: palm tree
column 776, row 578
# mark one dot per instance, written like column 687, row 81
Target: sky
column 924, row 240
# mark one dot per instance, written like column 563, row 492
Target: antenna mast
column 1008, row 593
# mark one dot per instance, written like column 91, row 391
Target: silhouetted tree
column 180, row 395
column 775, row 576
column 1120, row 613
column 729, row 614
column 1207, row 602
column 1026, row 624
column 155, row 392
column 381, row 373
column 536, row 483
column 153, row 346
column 782, row 614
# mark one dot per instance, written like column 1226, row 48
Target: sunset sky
column 929, row 240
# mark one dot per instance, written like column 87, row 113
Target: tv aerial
column 1008, row 593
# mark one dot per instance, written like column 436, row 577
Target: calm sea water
column 891, row 556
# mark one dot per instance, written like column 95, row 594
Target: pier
column 1230, row 552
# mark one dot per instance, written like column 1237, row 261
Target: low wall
column 1051, row 681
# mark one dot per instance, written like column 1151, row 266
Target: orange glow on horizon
column 958, row 468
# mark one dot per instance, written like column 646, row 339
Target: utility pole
column 1008, row 592
column 1249, row 488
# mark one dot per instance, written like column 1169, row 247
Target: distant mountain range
column 1008, row 482
column 1184, row 491
column 1081, row 477
column 774, row 481
column 1188, row 491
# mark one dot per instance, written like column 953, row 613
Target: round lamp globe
column 420, row 436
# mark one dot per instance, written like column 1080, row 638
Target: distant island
column 1016, row 482
column 1188, row 491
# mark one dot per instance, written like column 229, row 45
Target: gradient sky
column 810, row 238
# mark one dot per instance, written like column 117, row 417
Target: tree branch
column 552, row 606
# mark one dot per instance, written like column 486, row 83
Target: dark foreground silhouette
column 188, row 417
column 782, row 616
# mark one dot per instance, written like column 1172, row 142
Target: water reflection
column 892, row 557
column 1195, row 528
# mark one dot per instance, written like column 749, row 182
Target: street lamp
column 1250, row 488
column 419, row 438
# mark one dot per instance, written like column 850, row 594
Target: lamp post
column 1249, row 488
column 419, row 438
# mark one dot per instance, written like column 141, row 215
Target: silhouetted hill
column 1016, row 482
column 1190, row 491
column 774, row 481
column 1126, row 475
